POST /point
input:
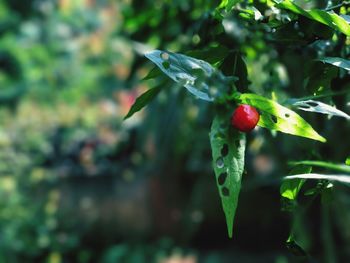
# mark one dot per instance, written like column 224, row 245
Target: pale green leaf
column 276, row 117
column 197, row 76
column 320, row 107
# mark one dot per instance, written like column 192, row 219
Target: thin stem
column 345, row 3
column 332, row 166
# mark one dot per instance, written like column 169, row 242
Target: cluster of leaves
column 223, row 76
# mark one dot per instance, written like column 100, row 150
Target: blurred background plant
column 79, row 185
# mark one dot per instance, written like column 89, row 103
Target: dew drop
column 164, row 55
column 220, row 162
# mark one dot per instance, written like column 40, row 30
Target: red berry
column 245, row 118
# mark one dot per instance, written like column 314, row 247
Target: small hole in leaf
column 164, row 56
column 166, row 64
column 219, row 135
column 225, row 191
column 287, row 115
column 222, row 178
column 274, row 118
column 224, row 150
column 312, row 104
column 220, row 162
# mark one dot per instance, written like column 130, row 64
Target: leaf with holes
column 330, row 19
column 320, row 107
column 338, row 62
column 197, row 76
column 290, row 188
column 276, row 117
column 143, row 100
column 228, row 146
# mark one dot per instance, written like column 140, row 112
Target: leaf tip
column 322, row 139
column 230, row 231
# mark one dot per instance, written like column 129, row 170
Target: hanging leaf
column 143, row 100
column 330, row 19
column 342, row 178
column 228, row 146
column 338, row 62
column 197, row 76
column 276, row 117
column 320, row 107
column 290, row 188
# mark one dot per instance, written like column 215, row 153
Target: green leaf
column 228, row 4
column 290, row 188
column 212, row 55
column 342, row 178
column 276, row 117
column 320, row 77
column 197, row 76
column 320, row 107
column 347, row 161
column 143, row 100
column 228, row 146
column 332, row 166
column 234, row 65
column 338, row 62
column 295, row 248
column 330, row 19
column 153, row 73
column 251, row 13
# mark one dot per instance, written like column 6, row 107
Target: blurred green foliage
column 78, row 185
